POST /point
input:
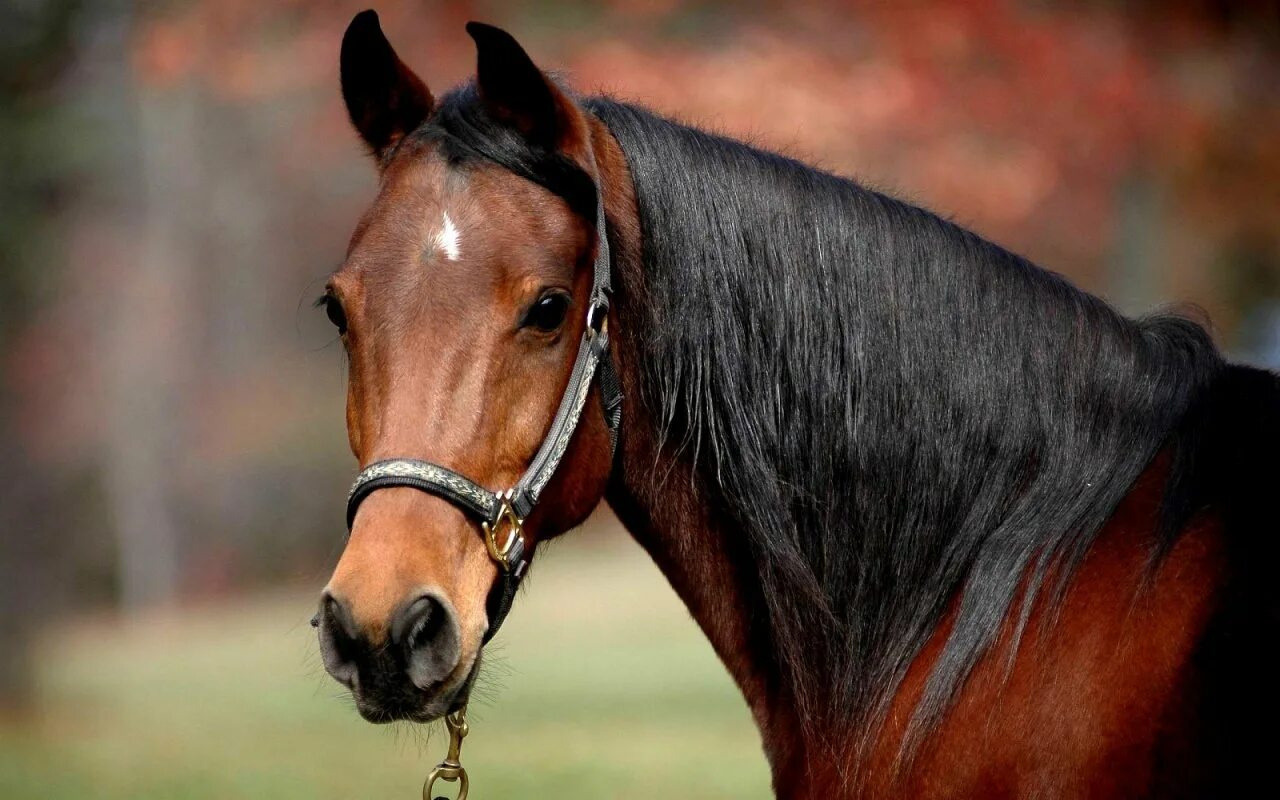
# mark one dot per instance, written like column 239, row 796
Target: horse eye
column 548, row 313
column 333, row 310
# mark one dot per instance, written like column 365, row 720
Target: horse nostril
column 428, row 631
column 339, row 644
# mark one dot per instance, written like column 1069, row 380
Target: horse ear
column 384, row 98
column 518, row 94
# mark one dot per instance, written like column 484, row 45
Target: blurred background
column 178, row 177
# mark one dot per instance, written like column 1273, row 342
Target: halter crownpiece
column 502, row 514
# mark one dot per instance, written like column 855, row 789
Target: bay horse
column 955, row 527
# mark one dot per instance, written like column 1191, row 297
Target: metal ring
column 449, row 774
column 597, row 319
column 515, row 534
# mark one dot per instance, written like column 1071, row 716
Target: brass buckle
column 515, row 533
column 451, row 768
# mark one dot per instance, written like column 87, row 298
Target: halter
column 509, row 508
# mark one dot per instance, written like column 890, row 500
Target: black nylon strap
column 501, row 599
column 611, row 400
column 524, row 495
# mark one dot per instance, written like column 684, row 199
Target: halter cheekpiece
column 502, row 514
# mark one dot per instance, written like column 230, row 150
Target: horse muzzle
column 414, row 671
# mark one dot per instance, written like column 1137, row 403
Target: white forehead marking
column 447, row 239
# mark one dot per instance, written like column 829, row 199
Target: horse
column 955, row 527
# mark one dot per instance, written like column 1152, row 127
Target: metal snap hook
column 451, row 770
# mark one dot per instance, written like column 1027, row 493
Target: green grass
column 603, row 688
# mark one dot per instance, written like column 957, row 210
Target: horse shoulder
column 1098, row 699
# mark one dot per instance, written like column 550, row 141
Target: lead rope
column 451, row 769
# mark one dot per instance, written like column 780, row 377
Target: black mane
column 902, row 417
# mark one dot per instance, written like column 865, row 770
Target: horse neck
column 660, row 500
